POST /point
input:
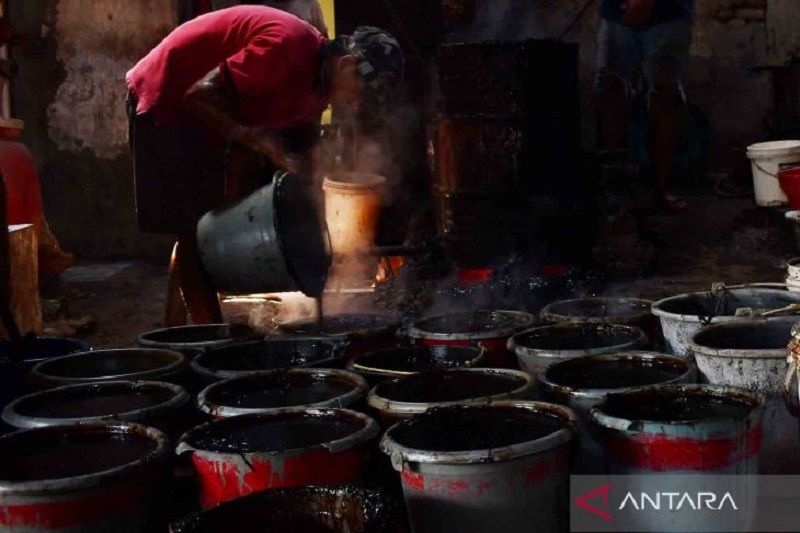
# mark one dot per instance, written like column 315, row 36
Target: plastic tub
column 500, row 467
column 766, row 159
column 237, row 456
column 538, row 348
column 271, row 391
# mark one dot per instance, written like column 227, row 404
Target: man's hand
column 270, row 145
column 637, row 12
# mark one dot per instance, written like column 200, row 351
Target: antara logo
column 597, row 501
column 675, row 501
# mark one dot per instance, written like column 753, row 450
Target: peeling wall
column 70, row 92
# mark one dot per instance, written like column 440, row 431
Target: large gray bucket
column 271, row 241
column 751, row 354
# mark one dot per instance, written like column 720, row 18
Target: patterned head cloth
column 380, row 64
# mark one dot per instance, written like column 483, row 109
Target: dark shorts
column 178, row 174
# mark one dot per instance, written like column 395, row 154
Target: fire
column 388, row 267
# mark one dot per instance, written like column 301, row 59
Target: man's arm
column 212, row 100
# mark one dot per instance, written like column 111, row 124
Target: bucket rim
column 700, row 350
column 551, row 386
column 417, row 331
column 96, row 479
column 657, row 307
column 197, row 365
column 179, row 398
column 368, row 431
column 81, row 346
column 146, row 341
column 371, row 182
column 355, row 366
column 179, row 363
column 400, row 455
column 606, row 421
column 291, row 328
column 637, row 334
column 793, row 215
column 548, row 313
column 399, row 408
column 767, row 149
column 208, row 406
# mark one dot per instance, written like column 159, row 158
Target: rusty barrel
column 271, row 391
column 129, row 364
column 407, row 360
column 405, row 397
column 499, row 467
column 538, row 348
column 342, row 509
column 487, row 328
column 165, row 406
column 293, row 447
column 191, row 340
column 90, row 478
column 751, row 354
column 580, row 383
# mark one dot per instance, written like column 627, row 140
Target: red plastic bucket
column 243, row 454
column 490, row 329
column 681, row 428
column 89, row 478
column 789, row 179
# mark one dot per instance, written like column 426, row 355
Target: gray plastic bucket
column 152, row 403
column 470, row 468
column 539, row 347
column 191, row 340
column 271, row 391
column 271, row 241
column 683, row 315
column 580, row 383
column 751, row 354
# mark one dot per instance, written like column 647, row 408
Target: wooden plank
column 25, row 303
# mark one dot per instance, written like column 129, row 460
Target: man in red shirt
column 237, row 77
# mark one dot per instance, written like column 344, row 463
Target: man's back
column 257, row 47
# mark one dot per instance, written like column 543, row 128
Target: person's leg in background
column 666, row 53
column 618, row 59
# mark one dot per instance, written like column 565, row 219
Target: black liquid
column 112, row 363
column 448, row 386
column 478, row 428
column 194, row 334
column 601, row 308
column 676, row 407
column 605, row 374
column 270, row 434
column 576, row 337
column 267, row 355
column 281, row 391
column 93, row 402
column 70, row 454
column 477, row 322
column 342, row 325
column 417, row 359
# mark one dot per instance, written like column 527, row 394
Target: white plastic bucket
column 766, row 159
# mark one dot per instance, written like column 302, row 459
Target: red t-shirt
column 270, row 56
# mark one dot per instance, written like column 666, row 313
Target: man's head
column 365, row 68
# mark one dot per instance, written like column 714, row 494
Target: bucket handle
column 770, row 174
column 790, row 391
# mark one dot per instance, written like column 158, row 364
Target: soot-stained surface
column 448, row 386
column 675, row 407
column 612, row 374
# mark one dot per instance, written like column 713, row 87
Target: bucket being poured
column 269, row 391
column 271, row 241
column 499, row 467
column 89, row 478
column 580, row 383
column 293, row 447
column 767, row 159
